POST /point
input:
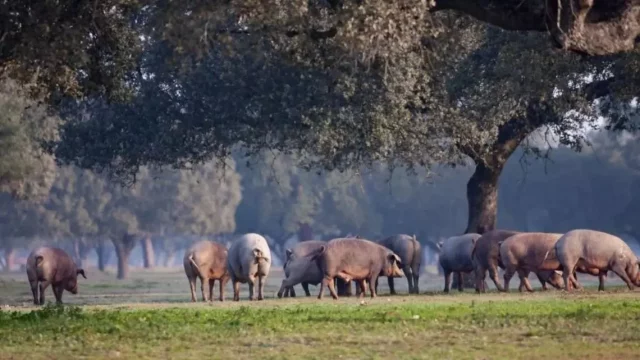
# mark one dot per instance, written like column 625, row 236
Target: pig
column 298, row 269
column 248, row 260
column 531, row 252
column 455, row 257
column 485, row 256
column 596, row 253
column 206, row 260
column 409, row 250
column 356, row 259
column 50, row 265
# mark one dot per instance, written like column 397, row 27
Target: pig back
column 242, row 259
column 405, row 246
column 487, row 251
column 596, row 248
column 535, row 249
column 210, row 256
column 56, row 265
column 455, row 253
column 357, row 257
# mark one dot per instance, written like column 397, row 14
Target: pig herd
column 554, row 258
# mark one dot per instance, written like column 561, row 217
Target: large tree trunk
column 124, row 246
column 9, row 257
column 304, row 232
column 103, row 256
column 147, row 252
column 482, row 197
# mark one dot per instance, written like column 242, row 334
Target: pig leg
column 261, row 288
column 363, row 289
column 460, row 281
column 236, row 290
column 57, row 292
column 292, row 291
column 212, row 282
column 43, row 287
column 322, row 288
column 203, row 283
column 567, row 276
column 332, row 290
column 622, row 273
column 252, row 288
column 542, row 281
column 601, row 277
column 192, row 285
column 392, row 289
column 508, row 274
column 493, row 273
column 34, row 291
column 480, row 273
column 416, row 280
column 372, row 289
column 447, row 280
column 408, row 273
column 222, row 283
column 305, row 287
column 524, row 279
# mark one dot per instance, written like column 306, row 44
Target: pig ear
column 393, row 258
column 439, row 244
column 318, row 252
column 288, row 253
column 500, row 243
column 81, row 272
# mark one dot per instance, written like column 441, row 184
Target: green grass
column 536, row 327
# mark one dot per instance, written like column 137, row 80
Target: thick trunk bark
column 147, row 252
column 101, row 252
column 124, row 246
column 9, row 257
column 304, row 232
column 482, row 198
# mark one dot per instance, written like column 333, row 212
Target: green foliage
column 69, row 48
column 555, row 327
column 26, row 171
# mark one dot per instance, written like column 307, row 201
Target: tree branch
column 592, row 27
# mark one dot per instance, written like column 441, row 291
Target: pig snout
column 396, row 272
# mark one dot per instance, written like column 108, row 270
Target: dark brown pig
column 299, row 271
column 356, row 259
column 596, row 252
column 531, row 252
column 409, row 250
column 206, row 260
column 485, row 256
column 49, row 265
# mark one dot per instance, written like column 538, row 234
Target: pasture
column 150, row 317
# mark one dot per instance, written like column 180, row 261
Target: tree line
column 124, row 89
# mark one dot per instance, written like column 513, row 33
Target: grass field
column 150, row 317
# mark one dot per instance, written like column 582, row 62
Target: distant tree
column 26, row 171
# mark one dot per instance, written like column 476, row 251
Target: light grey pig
column 249, row 259
column 299, row 270
column 49, row 265
column 531, row 252
column 595, row 253
column 410, row 252
column 206, row 260
column 455, row 257
column 356, row 259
